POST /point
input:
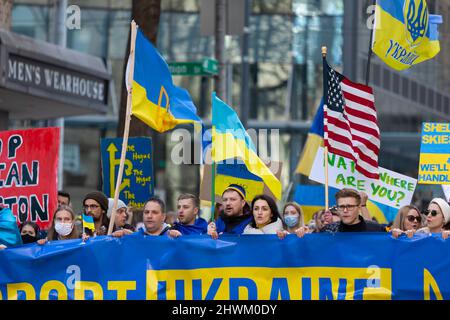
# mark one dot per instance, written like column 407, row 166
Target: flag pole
column 127, row 125
column 213, row 171
column 369, row 54
column 325, row 156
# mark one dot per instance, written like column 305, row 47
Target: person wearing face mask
column 63, row 226
column 292, row 218
column 29, row 231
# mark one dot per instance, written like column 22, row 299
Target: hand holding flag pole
column 127, row 126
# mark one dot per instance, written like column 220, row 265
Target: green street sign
column 210, row 66
column 206, row 67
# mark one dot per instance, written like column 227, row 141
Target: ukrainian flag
column 230, row 140
column 405, row 34
column 313, row 142
column 155, row 99
column 88, row 222
column 237, row 173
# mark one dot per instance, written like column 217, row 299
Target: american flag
column 350, row 122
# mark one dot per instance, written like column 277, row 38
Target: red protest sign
column 28, row 173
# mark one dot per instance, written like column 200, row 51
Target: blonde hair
column 401, row 216
column 301, row 220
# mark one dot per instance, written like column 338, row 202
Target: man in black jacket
column 349, row 206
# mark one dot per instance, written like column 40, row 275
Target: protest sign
column 434, row 164
column 137, row 182
column 392, row 189
column 29, row 173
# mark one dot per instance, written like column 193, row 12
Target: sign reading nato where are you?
column 137, row 181
column 434, row 166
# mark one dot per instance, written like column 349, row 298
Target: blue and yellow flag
column 237, row 173
column 313, row 142
column 405, row 34
column 230, row 140
column 88, row 222
column 155, row 99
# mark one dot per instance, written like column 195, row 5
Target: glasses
column 434, row 213
column 414, row 218
column 90, row 206
column 348, row 207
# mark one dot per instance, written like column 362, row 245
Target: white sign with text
column 392, row 189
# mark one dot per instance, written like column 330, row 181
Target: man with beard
column 236, row 213
column 189, row 221
column 95, row 204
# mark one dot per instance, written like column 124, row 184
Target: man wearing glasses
column 349, row 206
column 95, row 204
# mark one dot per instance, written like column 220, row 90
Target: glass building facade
column 285, row 77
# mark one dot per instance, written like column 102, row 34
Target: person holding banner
column 189, row 221
column 95, row 204
column 349, row 207
column 235, row 215
column 438, row 217
column 266, row 217
column 121, row 227
column 407, row 221
column 153, row 217
column 292, row 218
column 63, row 226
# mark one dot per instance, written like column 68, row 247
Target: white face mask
column 63, row 229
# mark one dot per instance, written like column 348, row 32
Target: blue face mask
column 291, row 221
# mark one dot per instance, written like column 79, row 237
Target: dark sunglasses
column 414, row 218
column 434, row 213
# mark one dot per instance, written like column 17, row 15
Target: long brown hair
column 401, row 216
column 53, row 235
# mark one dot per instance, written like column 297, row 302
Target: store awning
column 40, row 80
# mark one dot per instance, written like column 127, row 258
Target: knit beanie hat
column 99, row 197
column 445, row 208
column 120, row 204
column 235, row 187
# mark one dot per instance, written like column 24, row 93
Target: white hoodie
column 271, row 228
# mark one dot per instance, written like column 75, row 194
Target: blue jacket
column 9, row 232
column 199, row 227
column 239, row 224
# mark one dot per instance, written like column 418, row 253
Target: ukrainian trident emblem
column 416, row 19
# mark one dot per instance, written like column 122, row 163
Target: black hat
column 98, row 196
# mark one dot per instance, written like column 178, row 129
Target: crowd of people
column 234, row 215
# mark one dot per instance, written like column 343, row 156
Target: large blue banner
column 137, row 182
column 318, row 266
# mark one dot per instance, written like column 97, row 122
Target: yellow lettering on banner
column 437, row 127
column 429, row 281
column 268, row 283
column 121, row 287
column 53, row 285
column 14, row 288
column 82, row 286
